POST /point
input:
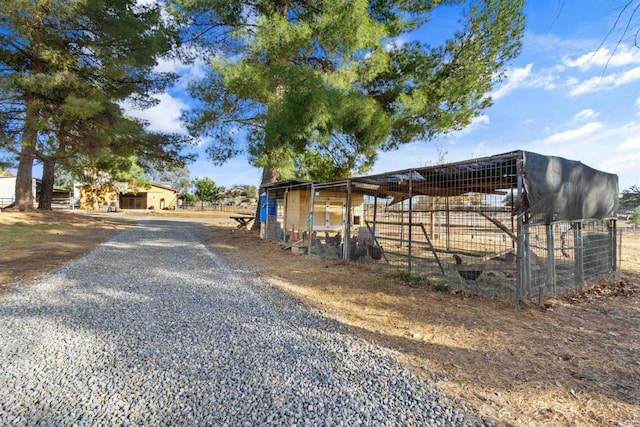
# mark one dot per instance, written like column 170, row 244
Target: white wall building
column 8, row 190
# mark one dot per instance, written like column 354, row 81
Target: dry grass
column 574, row 363
column 35, row 242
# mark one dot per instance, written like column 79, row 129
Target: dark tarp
column 558, row 189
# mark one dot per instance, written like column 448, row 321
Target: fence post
column 410, row 231
column 310, row 218
column 613, row 236
column 551, row 260
column 267, row 222
column 520, row 250
column 347, row 226
column 578, row 254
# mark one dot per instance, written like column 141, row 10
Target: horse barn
column 518, row 226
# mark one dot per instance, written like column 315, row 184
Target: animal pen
column 517, row 226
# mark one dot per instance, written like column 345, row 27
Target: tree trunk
column 46, row 190
column 269, row 175
column 24, row 176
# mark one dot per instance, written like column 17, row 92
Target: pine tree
column 319, row 87
column 55, row 54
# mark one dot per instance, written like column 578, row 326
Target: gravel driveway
column 153, row 329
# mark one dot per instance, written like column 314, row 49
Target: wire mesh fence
column 466, row 225
column 285, row 212
column 566, row 256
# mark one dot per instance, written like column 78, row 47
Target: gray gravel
column 152, row 328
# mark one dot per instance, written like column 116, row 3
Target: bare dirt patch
column 574, row 362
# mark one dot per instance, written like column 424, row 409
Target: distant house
column 8, row 190
column 156, row 196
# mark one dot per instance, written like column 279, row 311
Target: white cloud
column 476, row 123
column 525, row 77
column 621, row 163
column 611, row 81
column 572, row 81
column 552, row 44
column 603, row 57
column 163, row 117
column 516, row 78
column 187, row 72
column 585, row 115
column 614, row 149
column 573, row 134
column 630, row 144
column 396, row 43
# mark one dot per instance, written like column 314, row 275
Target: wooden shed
column 156, row 196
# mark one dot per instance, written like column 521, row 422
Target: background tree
column 175, row 175
column 636, row 216
column 49, row 49
column 630, row 197
column 187, row 197
column 116, row 158
column 320, row 87
column 205, row 190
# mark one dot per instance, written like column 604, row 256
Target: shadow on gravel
column 153, row 323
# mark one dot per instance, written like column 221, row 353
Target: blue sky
column 573, row 92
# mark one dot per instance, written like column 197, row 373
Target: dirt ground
column 35, row 242
column 574, row 362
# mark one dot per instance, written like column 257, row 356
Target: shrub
column 636, row 216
